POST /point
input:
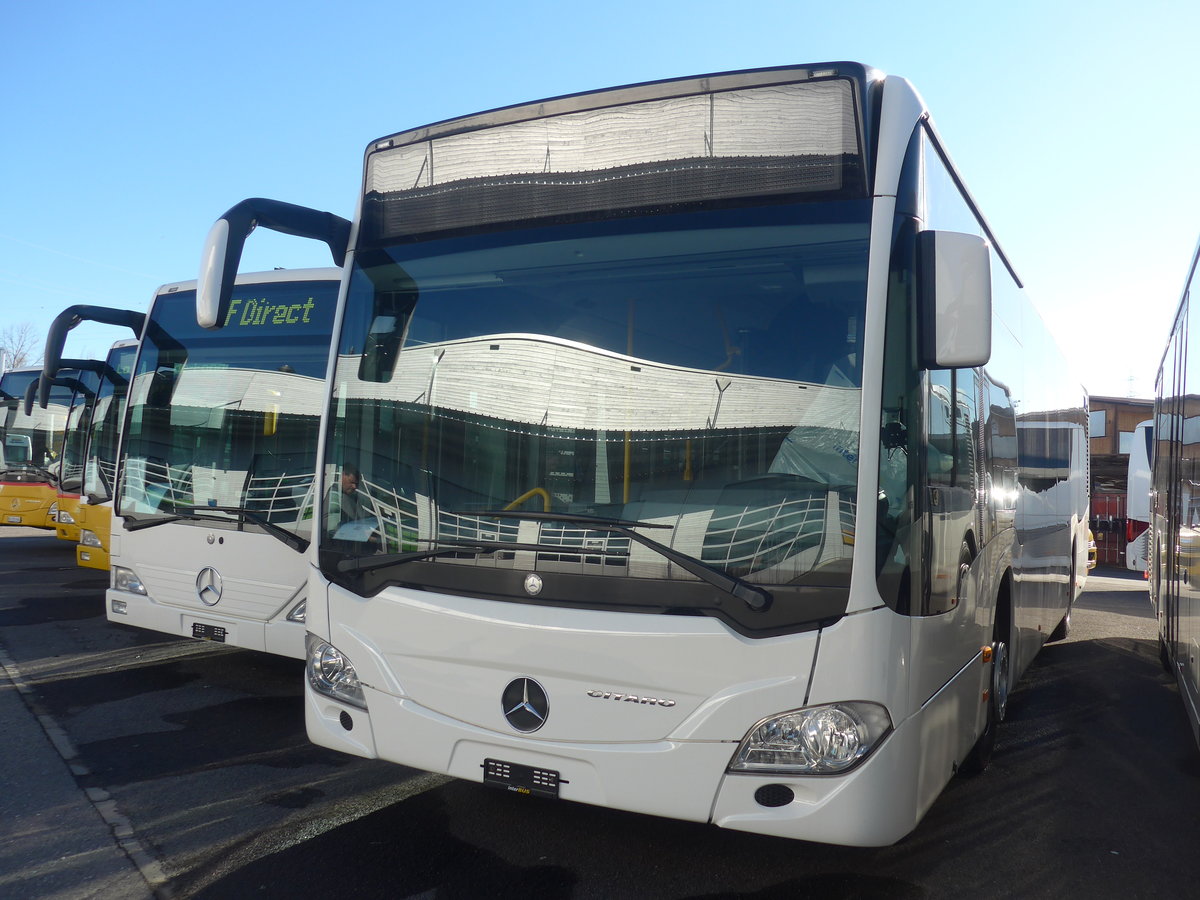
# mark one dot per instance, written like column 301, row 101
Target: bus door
column 952, row 513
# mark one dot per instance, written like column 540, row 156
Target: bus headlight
column 299, row 612
column 819, row 740
column 89, row 538
column 52, row 512
column 126, row 580
column 332, row 674
column 65, row 518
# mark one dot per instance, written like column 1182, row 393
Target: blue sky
column 128, row 127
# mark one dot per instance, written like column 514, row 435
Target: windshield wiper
column 752, row 595
column 194, row 513
column 294, row 541
column 132, row 524
column 367, row 563
column 24, row 468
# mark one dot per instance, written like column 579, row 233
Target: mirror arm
column 227, row 237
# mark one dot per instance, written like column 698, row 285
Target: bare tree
column 17, row 345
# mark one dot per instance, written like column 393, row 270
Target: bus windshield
column 228, row 419
column 99, row 476
column 700, row 373
column 31, row 444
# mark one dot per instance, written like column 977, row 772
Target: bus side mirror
column 227, row 237
column 70, row 317
column 955, row 283
column 31, row 391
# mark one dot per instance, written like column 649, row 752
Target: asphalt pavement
column 61, row 840
column 1092, row 790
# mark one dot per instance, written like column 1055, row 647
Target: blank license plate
column 208, row 632
column 520, row 779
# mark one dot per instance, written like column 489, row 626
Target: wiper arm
column 752, row 595
column 294, row 541
column 195, row 513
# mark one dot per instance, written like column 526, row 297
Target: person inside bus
column 349, row 516
column 349, row 500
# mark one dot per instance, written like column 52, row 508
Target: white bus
column 1137, row 497
column 1174, row 565
column 698, row 439
column 215, row 496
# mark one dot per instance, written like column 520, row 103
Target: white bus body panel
column 262, row 581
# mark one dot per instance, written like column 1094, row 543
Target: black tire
column 997, row 705
column 1164, row 657
column 1063, row 628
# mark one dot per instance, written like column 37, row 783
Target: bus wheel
column 1063, row 628
column 997, row 705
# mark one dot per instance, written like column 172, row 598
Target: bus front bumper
column 278, row 636
column 26, row 505
column 874, row 804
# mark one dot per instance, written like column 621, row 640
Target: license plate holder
column 527, row 780
column 204, row 632
column 13, row 520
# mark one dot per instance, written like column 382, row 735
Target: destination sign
column 262, row 311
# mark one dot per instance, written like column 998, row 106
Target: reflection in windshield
column 100, row 469
column 706, row 379
column 228, row 419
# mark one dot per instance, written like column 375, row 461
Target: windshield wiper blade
column 278, row 532
column 132, row 524
column 24, row 468
column 447, row 546
column 368, row 563
column 752, row 595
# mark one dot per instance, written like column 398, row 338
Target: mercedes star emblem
column 525, row 704
column 533, row 584
column 208, row 586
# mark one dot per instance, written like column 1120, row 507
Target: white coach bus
column 215, row 496
column 1174, row 552
column 682, row 432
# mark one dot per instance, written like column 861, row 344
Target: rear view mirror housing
column 955, row 285
column 227, row 237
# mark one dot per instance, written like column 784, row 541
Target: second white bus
column 215, row 499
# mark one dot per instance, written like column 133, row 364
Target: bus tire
column 997, row 704
column 1063, row 628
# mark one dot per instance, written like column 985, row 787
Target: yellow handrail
column 535, row 492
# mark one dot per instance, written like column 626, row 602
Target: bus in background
column 100, row 377
column 31, row 443
column 215, row 493
column 1137, row 497
column 673, row 461
column 1174, row 544
column 101, row 458
column 71, row 460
